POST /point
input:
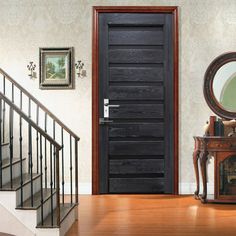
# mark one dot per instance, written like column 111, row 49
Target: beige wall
column 207, row 28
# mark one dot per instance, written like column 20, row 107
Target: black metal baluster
column 29, row 108
column 21, row 100
column 3, row 111
column 4, row 85
column 41, row 177
column 71, row 189
column 37, row 139
column 62, row 165
column 3, row 121
column 51, row 183
column 21, row 163
column 54, row 154
column 12, row 93
column 58, row 187
column 11, row 142
column 0, row 143
column 45, row 149
column 29, row 115
column 76, row 173
column 31, row 164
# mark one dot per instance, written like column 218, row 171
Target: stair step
column 37, row 199
column 6, row 162
column 5, row 144
column 16, row 182
column 65, row 209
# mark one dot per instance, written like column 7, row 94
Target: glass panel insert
column 228, row 176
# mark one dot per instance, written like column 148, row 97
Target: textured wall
column 206, row 29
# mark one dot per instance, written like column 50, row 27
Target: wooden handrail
column 27, row 119
column 39, row 104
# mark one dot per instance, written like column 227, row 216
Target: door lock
column 107, row 106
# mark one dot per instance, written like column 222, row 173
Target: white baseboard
column 189, row 188
column 84, row 188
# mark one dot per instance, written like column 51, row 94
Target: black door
column 136, row 103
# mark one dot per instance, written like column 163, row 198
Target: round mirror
column 224, row 86
column 220, row 85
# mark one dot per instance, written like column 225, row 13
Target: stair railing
column 51, row 125
column 34, row 172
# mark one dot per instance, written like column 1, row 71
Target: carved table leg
column 203, row 162
column 195, row 163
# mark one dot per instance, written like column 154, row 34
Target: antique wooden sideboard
column 221, row 149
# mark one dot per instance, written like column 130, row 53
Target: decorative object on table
column 206, row 129
column 212, row 125
column 232, row 125
column 79, row 66
column 218, row 127
column 56, row 70
column 31, row 67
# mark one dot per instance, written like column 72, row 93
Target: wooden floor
column 141, row 215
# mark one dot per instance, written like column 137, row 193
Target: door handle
column 103, row 121
column 111, row 105
column 107, row 106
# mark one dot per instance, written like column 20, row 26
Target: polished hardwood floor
column 141, row 215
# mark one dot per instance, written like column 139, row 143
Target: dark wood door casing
column 95, row 83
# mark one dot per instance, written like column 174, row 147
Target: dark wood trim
column 95, row 107
column 176, row 99
column 95, row 85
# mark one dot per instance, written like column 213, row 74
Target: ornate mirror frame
column 210, row 98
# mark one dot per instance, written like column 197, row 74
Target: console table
column 222, row 149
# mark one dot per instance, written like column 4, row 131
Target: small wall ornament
column 31, row 67
column 79, row 66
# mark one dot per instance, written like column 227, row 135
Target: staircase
column 38, row 166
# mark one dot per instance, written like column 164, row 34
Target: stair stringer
column 10, row 224
column 27, row 217
column 65, row 225
column 69, row 220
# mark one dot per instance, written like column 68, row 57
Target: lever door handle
column 103, row 121
column 109, row 105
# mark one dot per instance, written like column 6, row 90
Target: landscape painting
column 56, row 67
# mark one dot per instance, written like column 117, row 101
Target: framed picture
column 56, row 68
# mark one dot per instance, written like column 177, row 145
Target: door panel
column 136, row 92
column 136, row 36
column 136, row 130
column 135, row 55
column 136, row 148
column 136, row 185
column 135, row 73
column 137, row 111
column 136, row 76
column 136, row 166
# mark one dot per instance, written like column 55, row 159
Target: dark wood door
column 136, row 103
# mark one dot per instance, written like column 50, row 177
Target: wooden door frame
column 95, row 84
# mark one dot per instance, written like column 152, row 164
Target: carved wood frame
column 211, row 71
